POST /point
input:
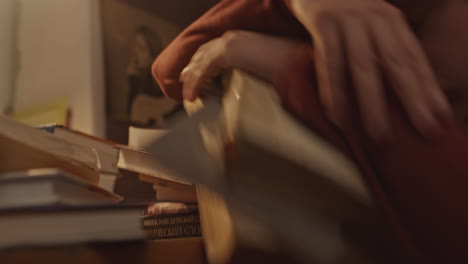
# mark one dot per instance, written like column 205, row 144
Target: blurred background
column 86, row 63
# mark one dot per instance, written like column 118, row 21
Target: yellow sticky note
column 55, row 111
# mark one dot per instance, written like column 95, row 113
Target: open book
column 254, row 161
column 25, row 147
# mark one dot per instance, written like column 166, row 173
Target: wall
column 121, row 19
column 59, row 43
column 7, row 51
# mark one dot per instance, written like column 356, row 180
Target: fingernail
column 183, row 73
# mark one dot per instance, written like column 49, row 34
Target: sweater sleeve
column 266, row 16
column 419, row 184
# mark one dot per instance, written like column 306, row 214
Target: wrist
column 232, row 56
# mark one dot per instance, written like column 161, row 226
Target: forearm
column 269, row 16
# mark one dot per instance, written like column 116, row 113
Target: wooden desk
column 175, row 251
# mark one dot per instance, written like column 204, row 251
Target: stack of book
column 132, row 172
column 175, row 212
column 171, row 220
column 105, row 150
column 50, row 189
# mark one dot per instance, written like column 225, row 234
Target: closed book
column 25, row 147
column 170, row 226
column 165, row 193
column 140, row 161
column 134, row 159
column 107, row 181
column 61, row 225
column 170, row 191
column 50, row 186
column 135, row 165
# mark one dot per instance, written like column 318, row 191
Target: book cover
column 169, row 226
column 106, row 150
column 50, row 186
column 25, row 147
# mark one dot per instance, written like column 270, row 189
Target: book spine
column 172, row 226
column 173, row 231
column 171, row 219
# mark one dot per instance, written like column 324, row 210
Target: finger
column 189, row 73
column 183, row 73
column 201, row 51
column 434, row 94
column 401, row 67
column 330, row 69
column 199, row 75
column 190, row 78
column 206, row 73
column 366, row 78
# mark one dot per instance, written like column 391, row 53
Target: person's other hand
column 260, row 54
column 369, row 40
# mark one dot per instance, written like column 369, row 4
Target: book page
column 142, row 138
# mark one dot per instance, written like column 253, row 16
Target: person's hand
column 260, row 54
column 209, row 60
column 369, row 41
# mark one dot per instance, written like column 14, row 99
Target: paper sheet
column 182, row 152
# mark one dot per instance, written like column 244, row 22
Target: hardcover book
column 57, row 225
column 106, row 150
column 49, row 187
column 25, row 147
column 170, row 226
column 134, row 159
